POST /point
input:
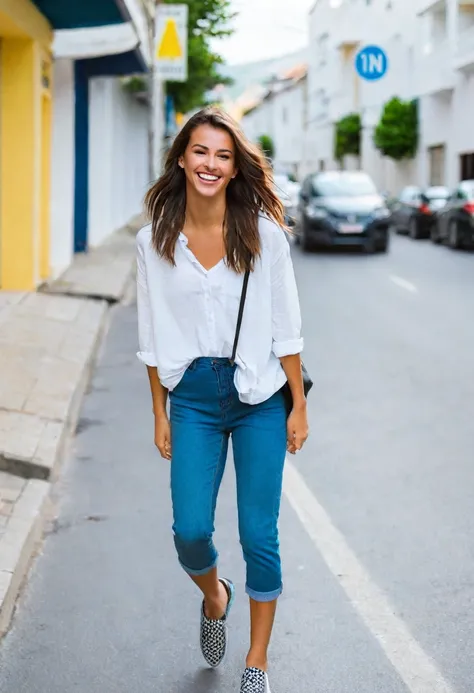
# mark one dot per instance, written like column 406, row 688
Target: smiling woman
column 204, row 161
column 215, row 246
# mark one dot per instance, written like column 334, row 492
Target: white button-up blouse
column 185, row 312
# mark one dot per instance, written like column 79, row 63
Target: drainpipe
column 452, row 10
column 150, row 15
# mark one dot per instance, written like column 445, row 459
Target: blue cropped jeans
column 205, row 411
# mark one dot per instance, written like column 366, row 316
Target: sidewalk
column 48, row 342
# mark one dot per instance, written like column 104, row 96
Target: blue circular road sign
column 371, row 63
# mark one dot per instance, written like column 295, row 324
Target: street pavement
column 377, row 520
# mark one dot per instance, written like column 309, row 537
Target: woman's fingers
column 295, row 442
column 163, row 437
column 164, row 447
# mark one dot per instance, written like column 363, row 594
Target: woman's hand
column 297, row 429
column 163, row 436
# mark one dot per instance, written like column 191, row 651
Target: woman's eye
column 226, row 157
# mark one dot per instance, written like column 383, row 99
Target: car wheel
column 306, row 242
column 434, row 233
column 413, row 229
column 383, row 245
column 370, row 246
column 454, row 239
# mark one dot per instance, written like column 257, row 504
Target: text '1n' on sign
column 371, row 63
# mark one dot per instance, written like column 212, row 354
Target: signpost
column 371, row 63
column 171, row 45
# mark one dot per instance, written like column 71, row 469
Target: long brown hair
column 249, row 194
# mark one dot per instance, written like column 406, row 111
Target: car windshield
column 437, row 193
column 343, row 185
column 468, row 188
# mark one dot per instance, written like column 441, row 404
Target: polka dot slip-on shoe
column 214, row 631
column 254, row 681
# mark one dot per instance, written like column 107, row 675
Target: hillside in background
column 246, row 75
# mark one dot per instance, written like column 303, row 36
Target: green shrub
column 266, row 145
column 396, row 135
column 348, row 135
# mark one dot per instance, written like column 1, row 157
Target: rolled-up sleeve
column 145, row 327
column 286, row 314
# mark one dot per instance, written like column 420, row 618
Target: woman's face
column 209, row 160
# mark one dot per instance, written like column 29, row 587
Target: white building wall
column 259, row 122
column 445, row 76
column 62, row 174
column 281, row 115
column 118, row 158
column 337, row 31
column 289, row 110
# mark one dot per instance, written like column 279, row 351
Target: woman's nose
column 211, row 162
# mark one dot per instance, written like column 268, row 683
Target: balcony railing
column 464, row 56
column 430, row 5
column 435, row 69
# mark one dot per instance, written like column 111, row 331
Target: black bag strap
column 241, row 313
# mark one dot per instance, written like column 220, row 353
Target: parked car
column 416, row 209
column 288, row 192
column 342, row 208
column 455, row 222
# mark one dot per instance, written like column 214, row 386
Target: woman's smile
column 208, row 178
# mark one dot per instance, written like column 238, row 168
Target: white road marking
column 403, row 283
column 412, row 663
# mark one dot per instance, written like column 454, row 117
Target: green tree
column 208, row 19
column 265, row 143
column 347, row 139
column 396, row 135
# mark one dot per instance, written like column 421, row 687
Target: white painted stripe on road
column 403, row 283
column 412, row 663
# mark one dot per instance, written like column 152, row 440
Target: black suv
column 342, row 208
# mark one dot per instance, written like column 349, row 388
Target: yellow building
column 25, row 144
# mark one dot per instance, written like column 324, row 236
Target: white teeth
column 206, row 176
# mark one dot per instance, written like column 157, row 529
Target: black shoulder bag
column 285, row 390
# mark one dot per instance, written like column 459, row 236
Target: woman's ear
column 236, row 172
column 181, row 162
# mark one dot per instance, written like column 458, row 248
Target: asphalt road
column 377, row 520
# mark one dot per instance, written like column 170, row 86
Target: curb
column 25, row 529
column 47, row 469
column 19, row 544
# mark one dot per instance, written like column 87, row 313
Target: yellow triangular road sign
column 170, row 46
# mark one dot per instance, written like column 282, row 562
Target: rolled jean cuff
column 203, row 571
column 263, row 596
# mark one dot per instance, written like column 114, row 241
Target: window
column 437, row 193
column 466, row 190
column 343, row 185
column 323, row 48
column 467, row 166
column 307, row 187
column 410, row 195
column 436, row 156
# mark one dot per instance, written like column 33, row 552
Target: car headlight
column 381, row 213
column 314, row 212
